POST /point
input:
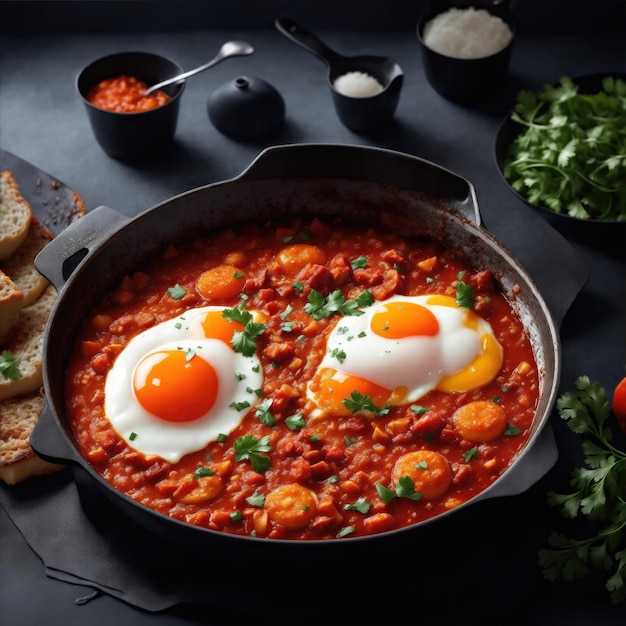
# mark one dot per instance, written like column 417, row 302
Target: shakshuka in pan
column 302, row 379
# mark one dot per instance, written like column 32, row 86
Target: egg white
column 239, row 379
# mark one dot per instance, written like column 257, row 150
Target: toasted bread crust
column 18, row 461
column 15, row 214
column 26, row 343
column 11, row 303
column 21, row 265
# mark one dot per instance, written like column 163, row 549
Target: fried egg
column 402, row 348
column 180, row 384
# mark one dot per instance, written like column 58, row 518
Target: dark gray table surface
column 43, row 122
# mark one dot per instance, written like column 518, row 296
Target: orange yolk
column 175, row 387
column 331, row 388
column 404, row 319
column 216, row 326
column 482, row 370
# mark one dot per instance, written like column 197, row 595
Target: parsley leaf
column 177, row 292
column 8, row 366
column 464, row 295
column 249, row 448
column 320, row 307
column 359, row 402
column 295, row 422
column 361, row 505
column 404, row 489
column 264, row 414
column 598, row 492
column 244, row 341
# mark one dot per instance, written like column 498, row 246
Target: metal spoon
column 229, row 49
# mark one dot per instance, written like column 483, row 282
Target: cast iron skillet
column 378, row 186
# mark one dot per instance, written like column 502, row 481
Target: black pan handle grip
column 66, row 251
column 307, row 40
column 49, row 441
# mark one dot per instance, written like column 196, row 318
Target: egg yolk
column 395, row 320
column 175, row 386
column 331, row 388
column 482, row 370
column 216, row 326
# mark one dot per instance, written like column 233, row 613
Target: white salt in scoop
column 365, row 89
column 357, row 85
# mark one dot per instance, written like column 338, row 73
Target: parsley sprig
column 8, row 366
column 571, row 154
column 250, row 448
column 320, row 307
column 599, row 493
column 244, row 341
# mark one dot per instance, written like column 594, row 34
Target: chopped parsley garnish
column 237, row 516
column 359, row 262
column 295, row 422
column 244, row 341
column 8, row 366
column 286, row 312
column 404, row 489
column 361, row 505
column 345, row 531
column 239, row 406
column 359, row 402
column 132, row 436
column 512, row 430
column 320, row 307
column 177, row 292
column 464, row 295
column 203, row 471
column 256, row 499
column 264, row 414
column 468, row 455
column 250, row 448
column 339, row 354
column 418, row 409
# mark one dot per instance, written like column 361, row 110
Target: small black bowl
column 466, row 81
column 132, row 136
column 596, row 232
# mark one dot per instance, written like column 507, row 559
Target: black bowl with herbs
column 562, row 149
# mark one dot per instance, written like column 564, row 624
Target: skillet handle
column 64, row 253
column 401, row 170
column 47, row 440
column 541, row 457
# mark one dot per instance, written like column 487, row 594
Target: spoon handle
column 307, row 40
column 230, row 49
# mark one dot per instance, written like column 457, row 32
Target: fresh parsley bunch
column 599, row 494
column 571, row 154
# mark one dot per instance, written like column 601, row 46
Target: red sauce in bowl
column 125, row 94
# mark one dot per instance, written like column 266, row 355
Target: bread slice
column 11, row 303
column 15, row 214
column 27, row 346
column 21, row 266
column 18, row 461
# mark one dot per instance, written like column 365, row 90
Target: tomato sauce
column 125, row 94
column 324, row 478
